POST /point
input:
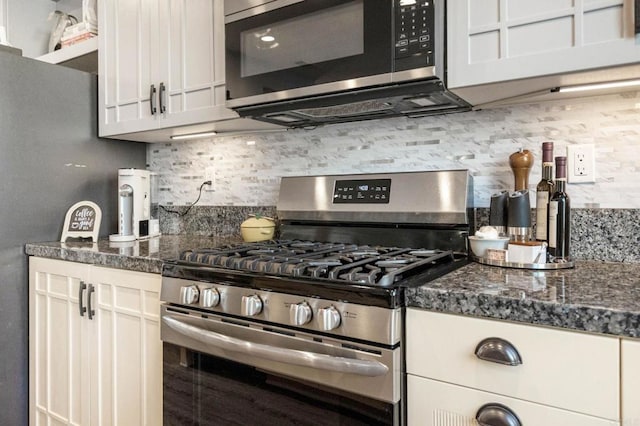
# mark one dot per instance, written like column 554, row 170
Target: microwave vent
column 347, row 110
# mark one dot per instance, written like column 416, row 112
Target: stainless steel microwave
column 303, row 63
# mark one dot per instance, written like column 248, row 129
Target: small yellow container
column 257, row 229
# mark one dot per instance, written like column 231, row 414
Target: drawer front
column 568, row 370
column 431, row 403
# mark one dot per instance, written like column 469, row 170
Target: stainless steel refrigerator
column 50, row 158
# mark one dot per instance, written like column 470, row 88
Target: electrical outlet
column 581, row 163
column 210, row 175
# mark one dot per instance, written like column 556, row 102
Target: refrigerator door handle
column 81, row 290
column 152, row 99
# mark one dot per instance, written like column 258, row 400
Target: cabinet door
column 191, row 61
column 127, row 67
column 161, row 65
column 433, row 403
column 630, row 377
column 127, row 373
column 500, row 40
column 59, row 360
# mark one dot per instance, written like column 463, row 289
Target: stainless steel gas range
column 308, row 328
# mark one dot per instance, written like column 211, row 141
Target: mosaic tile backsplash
column 248, row 168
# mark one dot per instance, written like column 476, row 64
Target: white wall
column 28, row 27
column 3, row 13
column 248, row 168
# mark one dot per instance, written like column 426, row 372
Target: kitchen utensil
column 519, row 220
column 521, row 163
column 498, row 213
column 257, row 228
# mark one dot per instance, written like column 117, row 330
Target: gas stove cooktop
column 364, row 274
column 333, row 262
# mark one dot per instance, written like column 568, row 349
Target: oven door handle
column 289, row 356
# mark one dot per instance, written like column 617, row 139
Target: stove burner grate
column 347, row 263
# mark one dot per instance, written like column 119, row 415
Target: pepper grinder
column 498, row 212
column 519, row 216
column 521, row 163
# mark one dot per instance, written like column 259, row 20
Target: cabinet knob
column 494, row 414
column 495, row 349
column 300, row 313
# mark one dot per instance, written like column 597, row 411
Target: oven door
column 220, row 370
column 306, row 48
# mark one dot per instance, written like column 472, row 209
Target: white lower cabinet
column 103, row 367
column 542, row 373
column 630, row 382
column 433, row 403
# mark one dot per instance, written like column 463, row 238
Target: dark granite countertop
column 143, row 256
column 597, row 297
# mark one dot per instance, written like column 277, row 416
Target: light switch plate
column 581, row 163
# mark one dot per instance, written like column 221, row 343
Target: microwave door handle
column 288, row 356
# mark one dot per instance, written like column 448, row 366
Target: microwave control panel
column 414, row 30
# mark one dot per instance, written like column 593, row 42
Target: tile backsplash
column 248, row 168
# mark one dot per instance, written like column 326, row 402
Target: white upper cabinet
column 157, row 64
column 500, row 40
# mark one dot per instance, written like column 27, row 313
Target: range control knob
column 300, row 313
column 328, row 318
column 251, row 305
column 209, row 298
column 189, row 294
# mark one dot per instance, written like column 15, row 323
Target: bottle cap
column 547, row 152
column 561, row 167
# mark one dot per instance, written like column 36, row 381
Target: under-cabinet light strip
column 193, row 135
column 596, row 86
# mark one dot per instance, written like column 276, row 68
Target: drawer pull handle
column 495, row 349
column 81, row 290
column 494, row 414
column 152, row 99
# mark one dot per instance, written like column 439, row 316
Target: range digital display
column 370, row 191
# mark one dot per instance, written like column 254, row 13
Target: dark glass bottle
column 544, row 191
column 560, row 216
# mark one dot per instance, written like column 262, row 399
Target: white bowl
column 479, row 245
